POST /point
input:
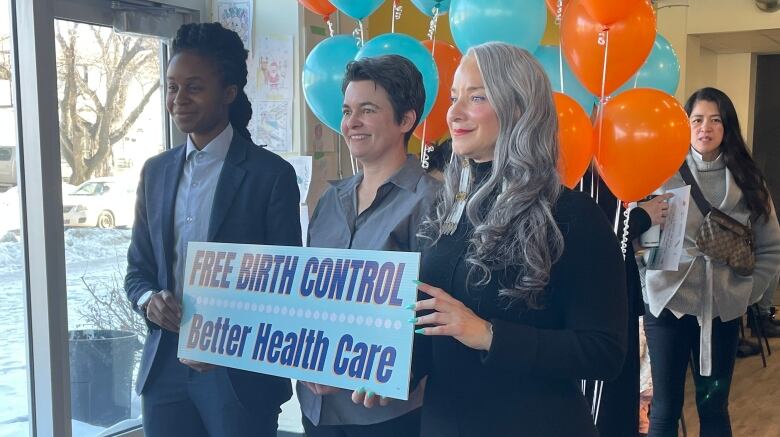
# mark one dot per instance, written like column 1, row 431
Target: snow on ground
column 93, row 256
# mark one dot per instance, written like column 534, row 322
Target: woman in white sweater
column 696, row 309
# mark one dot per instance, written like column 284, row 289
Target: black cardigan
column 529, row 382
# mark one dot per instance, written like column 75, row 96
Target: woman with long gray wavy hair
column 534, row 279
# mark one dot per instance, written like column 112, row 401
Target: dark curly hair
column 225, row 48
column 402, row 81
column 735, row 153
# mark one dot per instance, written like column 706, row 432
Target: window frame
column 34, row 83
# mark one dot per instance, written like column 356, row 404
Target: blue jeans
column 672, row 342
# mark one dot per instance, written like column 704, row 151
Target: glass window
column 14, row 392
column 111, row 121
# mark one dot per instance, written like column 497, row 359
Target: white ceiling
column 758, row 41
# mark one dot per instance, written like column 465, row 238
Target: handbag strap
column 696, row 193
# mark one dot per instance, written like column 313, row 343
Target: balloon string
column 330, row 25
column 434, row 21
column 558, row 17
column 603, row 40
column 560, row 64
column 426, row 148
column 597, row 391
column 624, row 239
column 358, row 34
column 397, row 11
column 559, row 13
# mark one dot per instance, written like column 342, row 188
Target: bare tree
column 94, row 90
column 5, row 57
column 108, row 307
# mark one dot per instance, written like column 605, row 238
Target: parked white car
column 102, row 202
column 9, row 205
column 7, row 166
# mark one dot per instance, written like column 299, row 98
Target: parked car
column 9, row 205
column 103, row 202
column 7, row 167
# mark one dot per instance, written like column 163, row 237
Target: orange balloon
column 319, row 7
column 630, row 41
column 608, row 12
column 575, row 136
column 447, row 58
column 644, row 139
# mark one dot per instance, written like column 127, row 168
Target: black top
column 619, row 411
column 528, row 383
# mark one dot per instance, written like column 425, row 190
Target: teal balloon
column 426, row 6
column 661, row 70
column 516, row 22
column 549, row 57
column 323, row 73
column 357, row 9
column 411, row 49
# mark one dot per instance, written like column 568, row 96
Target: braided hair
column 225, row 48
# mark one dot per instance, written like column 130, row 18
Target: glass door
column 14, row 393
column 111, row 120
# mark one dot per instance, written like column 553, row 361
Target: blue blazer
column 256, row 202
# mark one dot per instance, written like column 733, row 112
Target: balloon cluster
column 324, row 69
column 640, row 133
column 612, row 75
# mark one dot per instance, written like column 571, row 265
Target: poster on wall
column 320, row 138
column 271, row 125
column 275, row 62
column 302, row 166
column 237, row 16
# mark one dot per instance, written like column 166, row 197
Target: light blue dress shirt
column 195, row 196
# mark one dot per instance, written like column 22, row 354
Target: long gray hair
column 517, row 229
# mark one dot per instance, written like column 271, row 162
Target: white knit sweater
column 731, row 293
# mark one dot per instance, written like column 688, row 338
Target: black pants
column 180, row 401
column 402, row 426
column 619, row 411
column 671, row 342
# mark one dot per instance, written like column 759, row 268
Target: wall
column 686, row 22
column 736, row 77
column 715, row 16
column 672, row 21
column 289, row 18
column 282, row 18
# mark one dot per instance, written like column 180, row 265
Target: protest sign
column 329, row 316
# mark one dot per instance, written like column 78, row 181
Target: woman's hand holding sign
column 360, row 396
column 368, row 399
column 452, row 318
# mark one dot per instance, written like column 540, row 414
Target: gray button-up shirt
column 389, row 223
column 195, row 196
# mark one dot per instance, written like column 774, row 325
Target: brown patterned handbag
column 721, row 237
